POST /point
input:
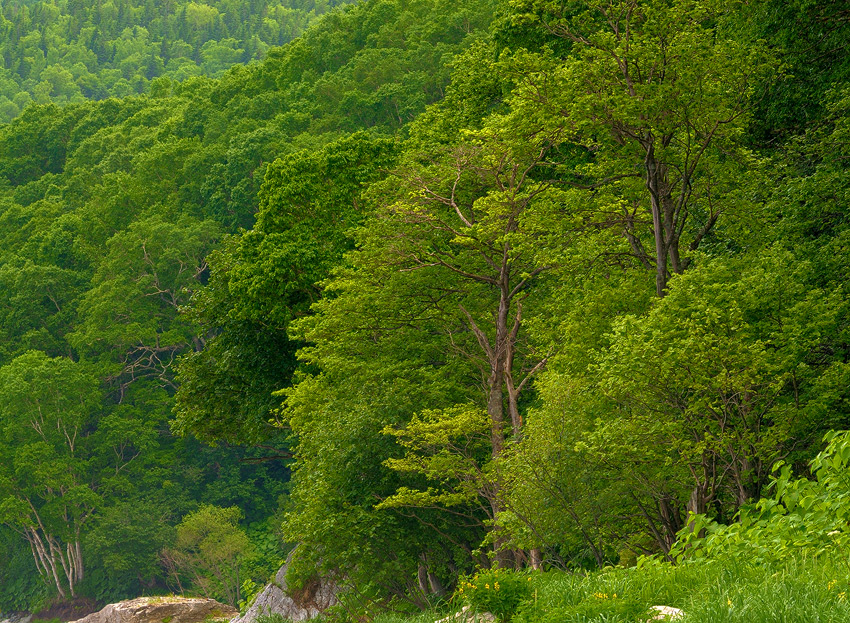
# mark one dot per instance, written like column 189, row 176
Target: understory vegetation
column 799, row 590
column 536, row 307
column 787, row 559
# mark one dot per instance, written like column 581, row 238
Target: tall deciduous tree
column 470, row 220
column 129, row 316
column 439, row 287
column 47, row 489
column 659, row 95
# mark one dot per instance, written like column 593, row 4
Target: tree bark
column 435, row 584
column 422, row 578
column 47, row 558
column 495, row 409
column 654, row 173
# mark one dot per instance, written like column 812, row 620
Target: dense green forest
column 434, row 289
column 69, row 51
column 110, row 211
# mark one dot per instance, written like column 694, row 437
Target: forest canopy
column 69, row 51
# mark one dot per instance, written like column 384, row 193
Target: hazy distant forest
column 424, row 286
column 71, row 51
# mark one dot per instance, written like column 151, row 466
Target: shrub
column 804, row 517
column 496, row 590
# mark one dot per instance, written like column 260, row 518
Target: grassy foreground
column 798, row 591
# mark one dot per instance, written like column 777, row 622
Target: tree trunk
column 513, row 400
column 436, row 585
column 46, row 556
column 495, row 409
column 697, row 502
column 654, row 173
column 422, row 578
column 79, row 560
column 671, row 522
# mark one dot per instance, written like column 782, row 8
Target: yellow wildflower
column 831, row 584
column 496, row 586
column 487, row 586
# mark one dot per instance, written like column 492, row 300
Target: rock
column 311, row 601
column 16, row 617
column 162, row 609
column 665, row 613
column 467, row 616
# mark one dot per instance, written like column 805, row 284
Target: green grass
column 708, row 592
column 424, row 617
column 798, row 591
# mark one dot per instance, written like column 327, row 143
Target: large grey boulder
column 305, row 604
column 159, row 609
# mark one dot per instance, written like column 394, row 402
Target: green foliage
column 48, row 482
column 417, row 312
column 736, row 346
column 647, row 408
column 128, row 316
column 23, row 589
column 110, row 212
column 412, row 261
column 727, row 355
column 660, row 94
column 449, row 447
column 561, row 497
column 211, row 549
column 497, row 591
column 249, row 589
column 801, row 31
column 127, row 539
column 803, row 517
column 67, row 52
column 262, row 280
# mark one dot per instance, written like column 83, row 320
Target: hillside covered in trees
column 433, row 288
column 69, row 51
